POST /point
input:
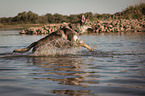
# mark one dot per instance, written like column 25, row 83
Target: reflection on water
column 69, row 68
column 115, row 68
column 64, row 70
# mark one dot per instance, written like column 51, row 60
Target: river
column 116, row 67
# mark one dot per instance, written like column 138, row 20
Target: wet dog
column 69, row 32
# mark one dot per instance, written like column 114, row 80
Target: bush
column 131, row 12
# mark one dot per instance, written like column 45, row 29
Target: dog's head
column 84, row 25
column 80, row 26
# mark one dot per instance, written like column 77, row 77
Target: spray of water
column 57, row 47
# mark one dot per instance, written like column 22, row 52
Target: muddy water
column 115, row 68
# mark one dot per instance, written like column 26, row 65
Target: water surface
column 115, row 68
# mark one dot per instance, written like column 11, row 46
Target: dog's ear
column 83, row 19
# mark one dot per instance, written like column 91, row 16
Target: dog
column 69, row 32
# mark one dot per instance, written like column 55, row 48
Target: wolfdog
column 69, row 32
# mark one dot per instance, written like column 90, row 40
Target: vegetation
column 132, row 12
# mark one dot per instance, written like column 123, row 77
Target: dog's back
column 76, row 26
column 67, row 32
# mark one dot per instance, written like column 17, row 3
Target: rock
column 118, row 25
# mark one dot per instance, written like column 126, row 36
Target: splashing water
column 57, row 47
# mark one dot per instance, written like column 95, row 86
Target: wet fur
column 69, row 32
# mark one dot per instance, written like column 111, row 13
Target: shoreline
column 19, row 26
column 98, row 26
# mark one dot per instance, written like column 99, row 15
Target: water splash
column 57, row 47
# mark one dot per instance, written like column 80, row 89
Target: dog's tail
column 25, row 49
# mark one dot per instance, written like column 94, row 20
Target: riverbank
column 117, row 25
column 18, row 26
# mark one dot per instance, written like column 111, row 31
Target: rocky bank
column 116, row 25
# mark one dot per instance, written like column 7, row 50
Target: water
column 115, row 68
